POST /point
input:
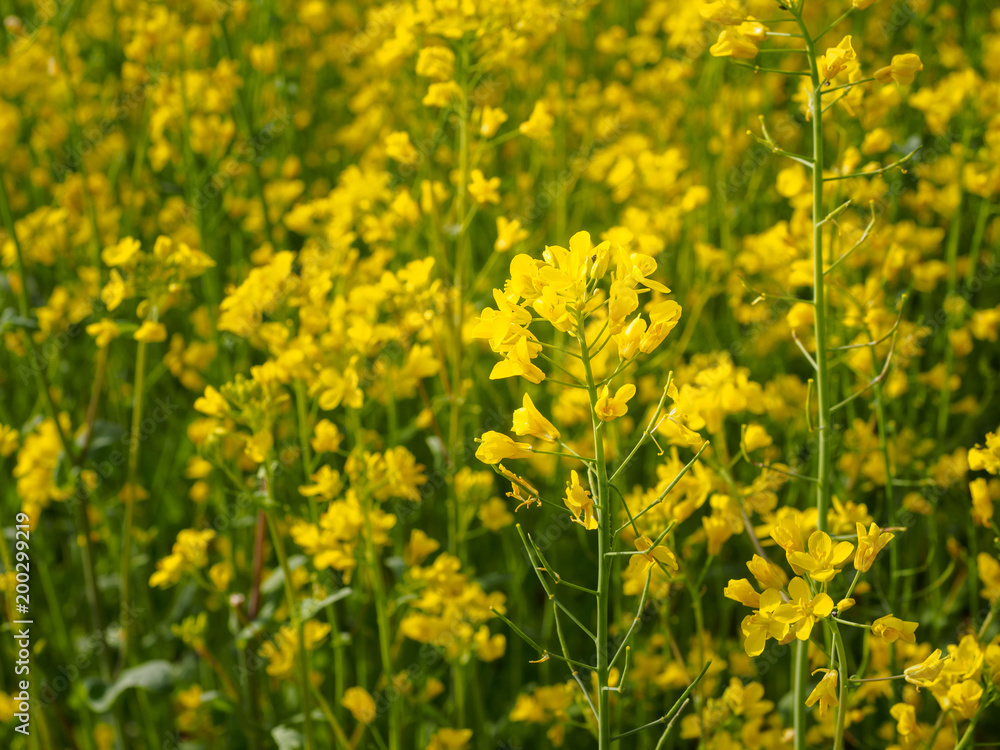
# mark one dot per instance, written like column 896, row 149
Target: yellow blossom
column 529, row 421
column 610, row 407
column 893, row 629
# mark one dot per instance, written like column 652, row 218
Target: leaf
column 153, row 675
column 310, row 606
column 287, row 738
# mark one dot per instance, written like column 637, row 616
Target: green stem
column 130, row 492
column 293, row 614
column 604, row 562
column 838, row 740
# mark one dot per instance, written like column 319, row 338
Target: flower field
column 468, row 375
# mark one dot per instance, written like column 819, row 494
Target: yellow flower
column 151, row 332
column 823, row 560
column 893, row 629
column 326, row 437
column 509, row 233
column 442, row 94
column 986, row 458
column 484, row 191
column 103, row 332
column 906, row 720
column 399, row 148
column 802, row 609
column 326, row 484
column 529, row 421
column 863, row 4
column 494, row 447
column 436, row 63
column 836, row 59
column 733, row 44
column 10, row 438
column 763, row 624
column 213, row 403
column 122, row 253
column 661, row 557
column 989, row 575
column 610, row 407
column 450, row 739
column 869, row 545
column 490, row 120
column 494, row 514
column 982, row 501
column 580, row 503
column 926, row 672
column 114, row 291
column 825, row 692
column 721, row 13
column 539, row 124
column 756, row 437
column 419, row 548
column 360, row 703
column 517, row 362
column 768, row 575
column 489, row 647
column 902, row 70
column 963, row 698
column 743, row 592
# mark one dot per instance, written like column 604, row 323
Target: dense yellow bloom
column 893, row 629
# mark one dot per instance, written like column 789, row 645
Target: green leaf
column 153, row 675
column 310, row 606
column 287, row 738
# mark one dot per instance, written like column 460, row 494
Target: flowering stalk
column 604, row 544
column 821, row 364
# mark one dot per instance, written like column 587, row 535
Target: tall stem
column 822, row 365
column 838, row 740
column 130, row 493
column 293, row 614
column 605, row 520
